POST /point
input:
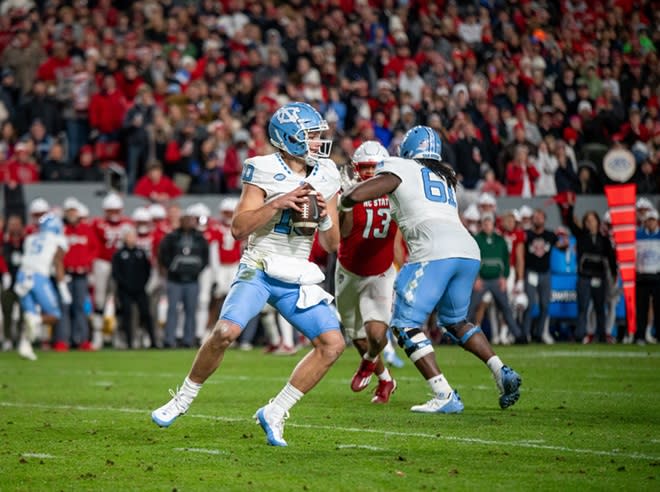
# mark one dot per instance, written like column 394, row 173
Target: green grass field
column 588, row 419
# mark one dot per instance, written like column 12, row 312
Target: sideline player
column 364, row 277
column 42, row 250
column 274, row 266
column 108, row 230
column 443, row 264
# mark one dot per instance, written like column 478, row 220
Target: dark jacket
column 131, row 269
column 593, row 251
column 184, row 254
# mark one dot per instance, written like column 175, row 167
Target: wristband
column 325, row 224
column 343, row 208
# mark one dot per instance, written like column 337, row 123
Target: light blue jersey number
column 435, row 189
column 284, row 225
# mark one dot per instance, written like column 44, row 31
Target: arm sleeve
column 569, row 221
column 392, row 166
column 504, row 254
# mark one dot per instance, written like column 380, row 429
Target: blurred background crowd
column 173, row 95
column 527, row 95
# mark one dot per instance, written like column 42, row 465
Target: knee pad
column 451, row 332
column 413, row 341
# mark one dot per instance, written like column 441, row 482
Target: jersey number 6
column 435, row 190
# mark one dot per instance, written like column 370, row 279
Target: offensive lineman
column 443, row 264
column 274, row 266
column 43, row 250
column 364, row 277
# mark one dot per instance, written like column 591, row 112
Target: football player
column 274, row 266
column 364, row 277
column 42, row 251
column 37, row 209
column 443, row 263
column 108, row 230
column 207, row 278
column 144, row 230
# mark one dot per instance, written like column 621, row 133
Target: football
column 306, row 221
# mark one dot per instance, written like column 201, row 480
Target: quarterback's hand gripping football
column 291, row 199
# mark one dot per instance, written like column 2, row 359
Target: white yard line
column 201, row 450
column 464, row 440
column 360, row 446
column 38, row 455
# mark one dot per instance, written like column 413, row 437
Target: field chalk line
column 464, row 440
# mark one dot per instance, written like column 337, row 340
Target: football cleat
column 508, row 382
column 272, row 425
column 168, row 413
column 25, row 350
column 362, row 376
column 384, row 391
column 451, row 404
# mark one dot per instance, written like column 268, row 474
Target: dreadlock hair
column 441, row 169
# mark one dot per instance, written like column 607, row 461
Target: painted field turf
column 588, row 419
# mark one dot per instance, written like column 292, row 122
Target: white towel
column 292, row 270
column 311, row 295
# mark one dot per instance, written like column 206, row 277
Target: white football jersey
column 271, row 174
column 39, row 250
column 425, row 209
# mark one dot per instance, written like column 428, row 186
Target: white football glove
column 65, row 294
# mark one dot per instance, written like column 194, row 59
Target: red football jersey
column 230, row 249
column 109, row 236
column 513, row 238
column 369, row 248
column 146, row 243
column 83, row 247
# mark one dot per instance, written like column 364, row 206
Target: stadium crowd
column 528, row 97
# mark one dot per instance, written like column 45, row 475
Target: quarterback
column 274, row 267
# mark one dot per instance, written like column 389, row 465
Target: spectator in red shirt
column 156, row 187
column 521, row 174
column 59, row 60
column 106, row 109
column 129, row 81
column 73, row 327
column 21, row 168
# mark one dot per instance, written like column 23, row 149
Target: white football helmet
column 112, row 202
column 228, row 205
column 367, row 156
column 141, row 214
column 38, row 206
column 112, row 206
column 157, row 211
column 201, row 212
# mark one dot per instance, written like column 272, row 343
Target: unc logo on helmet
column 421, row 142
column 296, row 129
column 287, row 114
